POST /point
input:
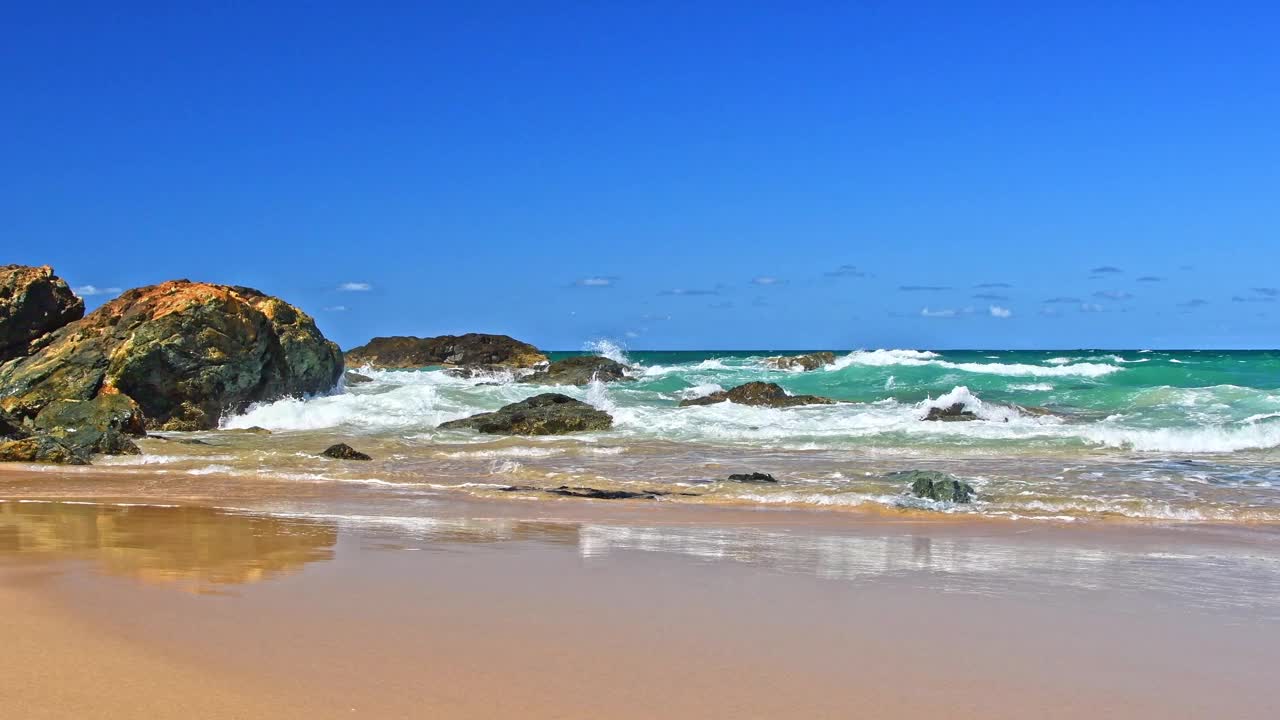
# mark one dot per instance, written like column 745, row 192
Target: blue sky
column 677, row 175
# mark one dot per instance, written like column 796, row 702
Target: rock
column 343, row 451
column 11, row 428
column 42, row 448
column 952, row 413
column 545, row 414
column 355, row 378
column 755, row 477
column 102, row 425
column 33, row 303
column 251, row 430
column 579, row 371
column 594, row 493
column 186, row 352
column 812, row 361
column 488, row 371
column 758, row 393
column 934, row 485
column 470, row 349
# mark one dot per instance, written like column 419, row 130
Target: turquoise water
column 1167, row 435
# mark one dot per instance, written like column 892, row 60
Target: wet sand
column 588, row 610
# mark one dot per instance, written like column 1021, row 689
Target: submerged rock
column 934, row 485
column 951, row 413
column 811, row 361
column 755, row 477
column 33, row 303
column 355, row 378
column 594, row 493
column 472, row 349
column 579, row 371
column 545, row 414
column 185, row 351
column 758, row 393
column 343, row 451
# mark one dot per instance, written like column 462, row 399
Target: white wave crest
column 609, row 349
column 883, row 358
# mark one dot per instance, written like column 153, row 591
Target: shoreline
column 608, row 611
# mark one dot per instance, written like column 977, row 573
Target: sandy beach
column 584, row 610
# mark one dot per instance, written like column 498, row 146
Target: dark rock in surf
column 593, row 493
column 33, row 303
column 934, row 485
column 755, row 477
column 354, row 378
column 760, row 394
column 472, row 349
column 579, row 371
column 545, row 414
column 42, row 449
column 809, row 362
column 187, row 352
column 343, row 451
column 956, row 412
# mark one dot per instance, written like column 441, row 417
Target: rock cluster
column 545, row 414
column 186, row 352
column 811, row 361
column 579, row 371
column 934, row 485
column 956, row 412
column 470, row 350
column 758, row 393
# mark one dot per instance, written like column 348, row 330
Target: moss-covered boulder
column 934, row 485
column 187, row 352
column 103, row 425
column 472, row 349
column 545, row 414
column 343, row 451
column 579, row 371
column 33, row 303
column 758, row 393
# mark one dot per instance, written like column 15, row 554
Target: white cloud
column 945, row 313
column 596, row 281
column 91, row 290
column 336, row 308
column 1091, row 307
column 632, row 334
column 355, row 287
column 1000, row 312
column 765, row 280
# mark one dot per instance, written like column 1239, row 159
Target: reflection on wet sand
column 194, row 548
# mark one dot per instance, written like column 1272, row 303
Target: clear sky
column 670, row 175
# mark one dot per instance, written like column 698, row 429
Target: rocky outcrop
column 758, row 393
column 33, row 303
column 579, row 371
column 353, row 378
column 811, row 361
column 956, row 412
column 471, row 349
column 343, row 451
column 934, row 485
column 753, row 477
column 187, row 352
column 103, row 425
column 545, row 414
column 20, row 443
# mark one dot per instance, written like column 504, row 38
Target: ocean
column 1061, row 436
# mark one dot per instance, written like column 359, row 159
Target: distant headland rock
column 470, row 350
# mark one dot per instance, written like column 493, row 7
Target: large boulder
column 102, row 425
column 811, row 361
column 545, row 414
column 934, row 485
column 471, row 349
column 33, row 303
column 187, row 352
column 42, row 448
column 579, row 371
column 758, row 393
